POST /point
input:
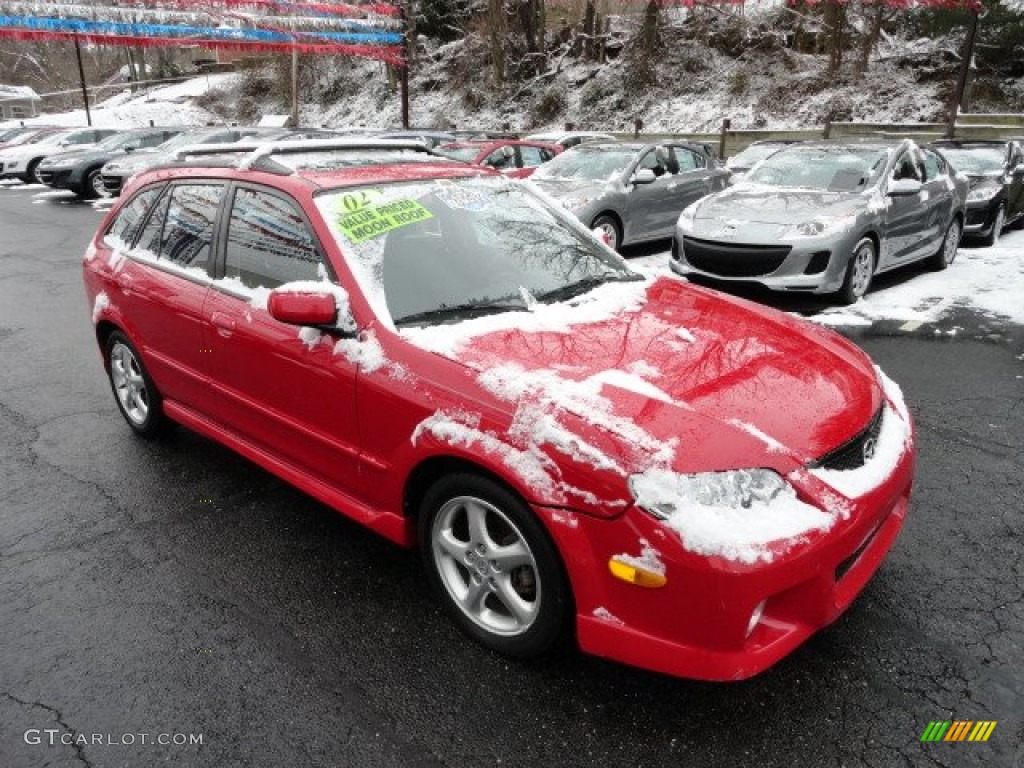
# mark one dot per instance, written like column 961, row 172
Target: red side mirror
column 305, row 308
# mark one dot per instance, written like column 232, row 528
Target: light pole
column 81, row 79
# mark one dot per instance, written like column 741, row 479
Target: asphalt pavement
column 173, row 592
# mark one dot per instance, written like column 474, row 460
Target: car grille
column 976, row 217
column 850, row 455
column 734, row 259
column 112, row 183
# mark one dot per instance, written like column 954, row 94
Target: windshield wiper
column 463, row 311
column 586, row 284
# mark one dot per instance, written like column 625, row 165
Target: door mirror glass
column 303, row 308
column 643, row 176
column 904, row 188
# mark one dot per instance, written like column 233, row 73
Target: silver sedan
column 825, row 218
column 631, row 192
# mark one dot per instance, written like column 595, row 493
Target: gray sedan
column 631, row 192
column 825, row 218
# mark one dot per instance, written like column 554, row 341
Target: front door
column 282, row 387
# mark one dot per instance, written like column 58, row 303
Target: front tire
column 134, row 392
column 610, row 229
column 946, row 254
column 859, row 271
column 494, row 567
column 92, row 185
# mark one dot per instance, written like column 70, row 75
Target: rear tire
column 859, row 271
column 946, row 254
column 493, row 565
column 134, row 392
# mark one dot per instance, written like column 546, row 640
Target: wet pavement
column 171, row 590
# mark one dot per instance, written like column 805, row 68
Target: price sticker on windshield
column 374, row 221
column 351, row 202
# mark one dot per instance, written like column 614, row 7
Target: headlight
column 823, row 225
column 983, row 194
column 575, row 203
column 662, row 493
column 687, row 216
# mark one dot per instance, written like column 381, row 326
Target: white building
column 18, row 101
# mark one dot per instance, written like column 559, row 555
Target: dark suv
column 79, row 170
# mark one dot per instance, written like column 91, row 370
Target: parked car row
column 666, row 476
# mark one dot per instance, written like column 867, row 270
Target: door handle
column 225, row 324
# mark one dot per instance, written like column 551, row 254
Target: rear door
column 163, row 282
column 282, row 388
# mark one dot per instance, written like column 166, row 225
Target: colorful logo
column 958, row 730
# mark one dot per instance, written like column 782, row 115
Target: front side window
column 934, row 167
column 436, row 251
column 131, row 217
column 187, row 234
column 269, row 243
column 688, row 160
column 501, row 159
column 533, row 156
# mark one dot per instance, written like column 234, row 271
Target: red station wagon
column 515, row 158
column 682, row 480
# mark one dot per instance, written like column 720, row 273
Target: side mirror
column 1018, row 169
column 129, row 148
column 904, row 188
column 306, row 308
column 643, row 176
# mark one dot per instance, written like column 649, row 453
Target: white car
column 19, row 162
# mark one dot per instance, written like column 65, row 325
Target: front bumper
column 113, row 182
column 59, row 178
column 696, row 625
column 981, row 217
column 811, row 265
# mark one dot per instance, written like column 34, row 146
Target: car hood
column 74, row 157
column 684, row 378
column 571, row 189
column 762, row 204
column 995, row 178
column 138, row 160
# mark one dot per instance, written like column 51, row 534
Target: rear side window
column 269, row 242
column 188, row 229
column 131, row 217
column 688, row 160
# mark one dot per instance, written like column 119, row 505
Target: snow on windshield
column 583, row 162
column 838, row 169
column 978, row 159
column 447, row 250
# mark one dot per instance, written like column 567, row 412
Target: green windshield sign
column 374, row 221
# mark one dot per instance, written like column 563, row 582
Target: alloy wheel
column 129, row 384
column 486, row 565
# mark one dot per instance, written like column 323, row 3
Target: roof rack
column 255, row 151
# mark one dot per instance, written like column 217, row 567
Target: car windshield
column 54, row 138
column 184, row 139
column 977, row 159
column 583, row 162
column 465, row 154
column 835, row 169
column 442, row 250
column 753, row 154
column 116, row 141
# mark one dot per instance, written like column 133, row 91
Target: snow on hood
column 610, row 382
column 774, row 205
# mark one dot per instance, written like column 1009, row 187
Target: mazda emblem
column 868, row 451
